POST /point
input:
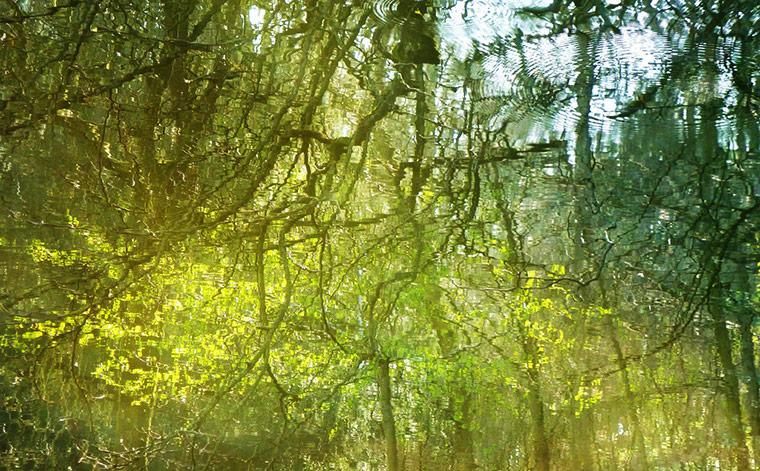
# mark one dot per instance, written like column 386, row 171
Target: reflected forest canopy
column 395, row 235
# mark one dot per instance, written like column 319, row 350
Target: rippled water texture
column 517, row 54
column 397, row 235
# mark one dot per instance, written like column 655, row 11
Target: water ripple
column 386, row 11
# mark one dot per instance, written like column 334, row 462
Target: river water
column 401, row 235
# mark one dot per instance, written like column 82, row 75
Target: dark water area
column 395, row 235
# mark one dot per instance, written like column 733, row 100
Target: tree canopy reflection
column 399, row 235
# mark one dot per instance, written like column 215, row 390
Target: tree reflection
column 325, row 235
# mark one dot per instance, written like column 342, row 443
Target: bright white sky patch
column 256, row 16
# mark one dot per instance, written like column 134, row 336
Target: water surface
column 436, row 235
